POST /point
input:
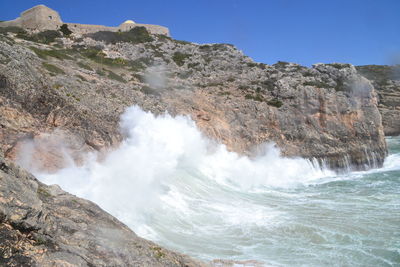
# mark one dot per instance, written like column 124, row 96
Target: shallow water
column 172, row 185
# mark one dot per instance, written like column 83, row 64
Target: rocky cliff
column 386, row 80
column 81, row 86
column 44, row 226
column 56, row 89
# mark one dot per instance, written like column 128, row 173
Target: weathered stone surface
column 75, row 90
column 328, row 112
column 386, row 80
column 44, row 226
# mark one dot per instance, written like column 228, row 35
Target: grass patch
column 52, row 68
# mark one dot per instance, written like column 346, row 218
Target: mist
column 157, row 151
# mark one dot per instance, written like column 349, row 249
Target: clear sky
column 302, row 31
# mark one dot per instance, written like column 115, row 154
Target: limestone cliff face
column 80, row 87
column 386, row 80
column 72, row 92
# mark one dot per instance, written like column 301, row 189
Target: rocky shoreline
column 73, row 90
column 81, row 86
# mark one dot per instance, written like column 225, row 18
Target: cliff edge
column 81, row 86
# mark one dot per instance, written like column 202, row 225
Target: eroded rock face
column 328, row 112
column 44, row 226
column 386, row 80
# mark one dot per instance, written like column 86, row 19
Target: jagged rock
column 386, row 80
column 75, row 89
column 328, row 112
column 44, row 226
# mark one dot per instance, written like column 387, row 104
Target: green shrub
column 140, row 64
column 215, row 84
column 179, row 58
column 252, row 64
column 136, row 35
column 275, row 103
column 138, row 77
column 256, row 97
column 163, row 38
column 339, row 65
column 43, row 193
column 59, row 54
column 84, row 66
column 52, row 68
column 262, row 66
column 317, row 84
column 101, row 72
column 224, row 93
column 193, row 65
column 281, row 64
column 214, row 47
column 65, row 30
column 97, row 55
column 181, row 42
column 45, row 37
column 12, row 29
column 116, row 77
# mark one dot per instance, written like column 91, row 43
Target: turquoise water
column 346, row 220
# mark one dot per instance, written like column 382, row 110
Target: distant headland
column 41, row 17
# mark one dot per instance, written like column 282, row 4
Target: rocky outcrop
column 80, row 87
column 44, row 226
column 74, row 90
column 386, row 80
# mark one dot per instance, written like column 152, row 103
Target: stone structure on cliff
column 39, row 18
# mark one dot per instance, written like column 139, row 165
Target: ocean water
column 172, row 185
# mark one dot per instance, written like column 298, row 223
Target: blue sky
column 302, row 31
